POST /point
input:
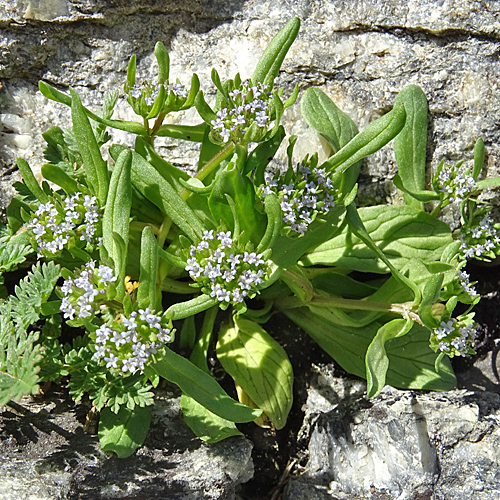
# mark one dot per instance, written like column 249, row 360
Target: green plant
column 143, row 261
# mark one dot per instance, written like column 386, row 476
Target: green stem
column 200, row 350
column 298, row 283
column 403, row 309
column 174, row 286
column 210, row 166
column 139, row 226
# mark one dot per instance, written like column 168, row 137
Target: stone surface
column 46, row 455
column 401, row 444
column 360, row 53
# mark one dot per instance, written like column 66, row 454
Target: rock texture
column 360, row 53
column 45, row 455
column 399, row 445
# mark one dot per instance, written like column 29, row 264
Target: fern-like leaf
column 20, row 357
column 32, row 292
column 13, row 252
column 104, row 387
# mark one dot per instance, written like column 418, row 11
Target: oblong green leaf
column 58, row 176
column 163, row 62
column 373, row 137
column 31, row 182
column 269, row 64
column 240, row 189
column 116, row 217
column 182, row 310
column 147, row 291
column 153, row 186
column 259, row 365
column 202, row 387
column 410, row 143
column 377, row 361
column 274, row 214
column 95, row 167
column 401, row 232
column 411, row 360
column 125, row 431
column 205, row 424
column 336, row 127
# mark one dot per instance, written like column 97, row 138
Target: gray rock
column 360, row 53
column 401, row 444
column 46, row 455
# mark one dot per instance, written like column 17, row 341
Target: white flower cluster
column 309, row 193
column 151, row 90
column 56, row 222
column 223, row 269
column 463, row 279
column 455, row 181
column 81, row 294
column 249, row 105
column 129, row 342
column 481, row 240
column 454, row 339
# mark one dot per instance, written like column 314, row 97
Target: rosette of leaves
column 215, row 254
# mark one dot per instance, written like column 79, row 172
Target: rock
column 361, row 55
column 45, row 455
column 400, row 444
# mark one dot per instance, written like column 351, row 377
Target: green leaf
column 205, row 424
column 31, row 182
column 321, row 113
column 193, row 133
column 32, row 292
column 274, row 214
column 163, row 62
column 269, row 64
column 204, row 110
column 401, row 232
column 125, row 431
column 147, row 292
column 373, row 137
column 260, row 157
column 259, row 365
column 202, row 387
column 342, row 285
column 20, row 358
column 411, row 360
column 58, row 176
column 410, row 143
column 14, row 252
column 479, row 155
column 172, row 174
column 131, row 71
column 240, row 189
column 116, row 217
column 377, row 361
column 153, row 186
column 182, row 310
column 128, row 126
column 287, row 251
column 96, row 169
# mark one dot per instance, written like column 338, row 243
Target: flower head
column 225, row 269
column 128, row 343
column 61, row 221
column 249, row 104
column 306, row 195
column 455, row 337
